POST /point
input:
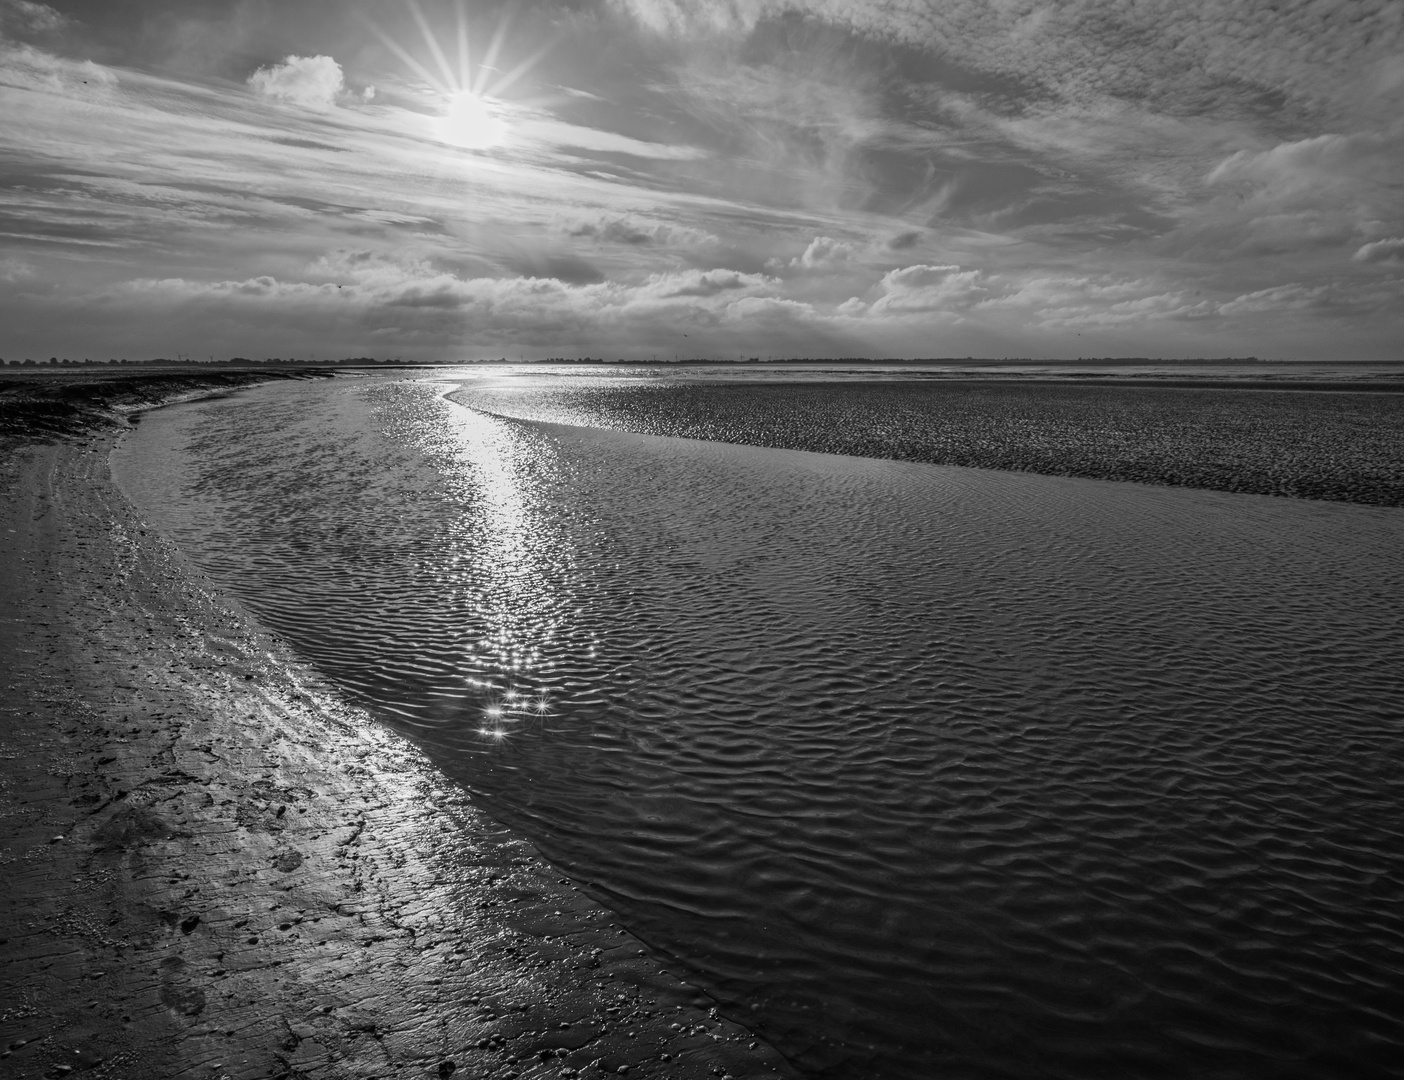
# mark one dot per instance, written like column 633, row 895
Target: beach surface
column 215, row 867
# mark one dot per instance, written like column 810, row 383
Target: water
column 924, row 771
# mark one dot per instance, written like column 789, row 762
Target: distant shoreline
column 145, row 367
column 86, row 397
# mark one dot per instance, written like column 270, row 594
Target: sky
column 637, row 179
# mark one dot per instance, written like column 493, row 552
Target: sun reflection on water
column 504, row 566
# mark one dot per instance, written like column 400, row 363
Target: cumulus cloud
column 627, row 229
column 707, row 283
column 904, row 240
column 314, row 82
column 1381, row 251
column 924, row 288
column 377, row 290
column 944, row 294
column 824, row 252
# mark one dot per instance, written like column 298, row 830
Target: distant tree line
column 55, row 361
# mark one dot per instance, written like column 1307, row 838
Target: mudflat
column 215, row 867
column 1326, row 441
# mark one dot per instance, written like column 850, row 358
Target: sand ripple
column 929, row 771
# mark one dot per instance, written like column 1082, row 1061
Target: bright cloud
column 824, row 253
column 1381, row 251
column 314, row 82
column 923, row 288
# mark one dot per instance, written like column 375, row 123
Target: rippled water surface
column 924, row 771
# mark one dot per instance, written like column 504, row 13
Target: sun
column 469, row 122
column 474, row 115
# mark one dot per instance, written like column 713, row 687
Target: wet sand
column 213, row 866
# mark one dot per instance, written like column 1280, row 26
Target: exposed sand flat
column 1314, row 441
column 214, row 867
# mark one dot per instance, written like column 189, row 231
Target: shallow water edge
column 215, row 866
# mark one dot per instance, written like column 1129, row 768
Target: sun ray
column 465, row 56
column 505, row 83
column 493, row 49
column 472, row 114
column 404, row 55
column 433, row 42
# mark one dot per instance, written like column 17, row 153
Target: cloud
column 1091, row 121
column 1294, row 167
column 823, row 253
column 944, row 294
column 924, row 288
column 1239, row 57
column 1381, row 251
column 1280, row 298
column 370, row 289
column 14, row 270
column 707, row 283
column 544, row 128
column 26, row 17
column 314, row 82
column 1333, row 299
column 1045, row 151
column 616, row 231
column 629, row 230
column 1326, row 191
column 28, row 68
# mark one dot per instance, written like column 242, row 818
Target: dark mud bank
column 71, row 405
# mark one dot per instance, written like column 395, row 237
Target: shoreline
column 214, row 866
